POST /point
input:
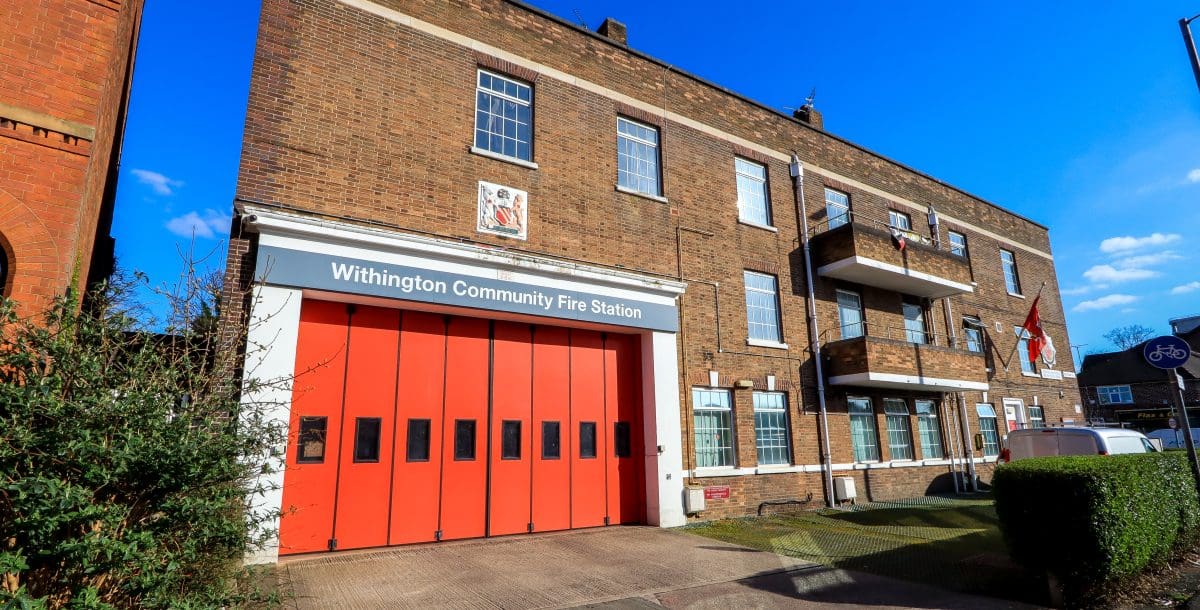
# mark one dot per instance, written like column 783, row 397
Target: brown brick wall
column 875, row 243
column 354, row 116
column 70, row 60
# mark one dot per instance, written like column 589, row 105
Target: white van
column 1072, row 440
column 1172, row 438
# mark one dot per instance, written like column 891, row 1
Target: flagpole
column 1018, row 342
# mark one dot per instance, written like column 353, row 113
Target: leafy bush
column 1095, row 520
column 125, row 459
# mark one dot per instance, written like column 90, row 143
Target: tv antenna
column 579, row 18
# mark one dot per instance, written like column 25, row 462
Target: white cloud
column 158, row 182
column 1105, row 302
column 1186, row 288
column 1194, row 175
column 205, row 226
column 1127, row 243
column 1146, row 260
column 1108, row 273
column 1077, row 291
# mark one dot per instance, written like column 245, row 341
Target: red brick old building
column 65, row 73
column 530, row 279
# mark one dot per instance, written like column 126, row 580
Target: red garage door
column 414, row 427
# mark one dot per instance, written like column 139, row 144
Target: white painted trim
column 706, row 473
column 661, row 426
column 1016, row 295
column 861, row 378
column 637, row 193
column 271, row 361
column 766, row 343
column 658, row 111
column 310, row 234
column 483, row 152
column 890, row 268
column 757, row 226
column 1034, row 375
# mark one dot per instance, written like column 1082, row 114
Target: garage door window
column 510, row 440
column 551, row 445
column 418, row 440
column 587, row 439
column 622, row 447
column 311, row 446
column 464, row 439
column 714, row 436
column 366, row 439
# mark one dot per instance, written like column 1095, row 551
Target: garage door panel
column 416, row 480
column 588, row 432
column 512, row 406
column 311, row 468
column 464, row 482
column 551, row 431
column 366, row 455
column 623, row 392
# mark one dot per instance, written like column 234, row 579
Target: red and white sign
column 718, row 492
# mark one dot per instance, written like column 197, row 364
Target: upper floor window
column 1027, row 365
column 914, row 323
column 762, row 307
column 958, row 244
column 770, row 428
column 1012, row 281
column 1114, row 395
column 973, row 333
column 754, row 204
column 504, row 116
column 899, row 220
column 837, row 208
column 637, row 157
column 850, row 314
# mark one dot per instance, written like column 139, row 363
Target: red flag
column 1039, row 341
column 898, row 239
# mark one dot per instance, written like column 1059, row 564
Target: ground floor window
column 714, row 433
column 929, row 430
column 770, row 428
column 988, row 430
column 899, row 432
column 1037, row 417
column 862, row 430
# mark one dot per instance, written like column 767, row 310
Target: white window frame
column 646, row 182
column 841, row 207
column 759, row 320
column 722, row 455
column 899, row 429
column 1027, row 366
column 899, row 220
column 973, row 334
column 772, row 439
column 485, row 146
column 1106, row 393
column 988, row 429
column 929, row 427
column 960, row 248
column 1037, row 416
column 858, row 329
column 1012, row 275
column 754, row 197
column 915, row 330
column 870, row 451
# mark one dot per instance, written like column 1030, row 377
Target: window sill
column 757, row 226
column 704, row 473
column 1034, row 375
column 765, row 343
column 1013, row 294
column 505, row 158
column 629, row 191
column 778, row 469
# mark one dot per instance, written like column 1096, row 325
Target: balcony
column 887, row 357
column 861, row 251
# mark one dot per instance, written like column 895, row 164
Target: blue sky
column 1083, row 116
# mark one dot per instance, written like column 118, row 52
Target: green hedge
column 1093, row 520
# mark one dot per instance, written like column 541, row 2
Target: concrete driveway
column 618, row 567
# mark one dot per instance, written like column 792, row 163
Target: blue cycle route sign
column 1167, row 352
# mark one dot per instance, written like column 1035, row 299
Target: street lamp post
column 1191, row 45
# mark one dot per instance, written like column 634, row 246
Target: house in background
column 65, row 76
column 1122, row 388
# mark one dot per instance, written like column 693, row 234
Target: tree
column 1126, row 337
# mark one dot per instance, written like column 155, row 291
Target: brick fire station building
column 528, row 278
column 66, row 67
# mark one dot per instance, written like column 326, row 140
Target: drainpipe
column 797, row 171
column 969, row 448
column 952, row 331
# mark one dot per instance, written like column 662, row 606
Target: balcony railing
column 862, row 250
column 871, row 355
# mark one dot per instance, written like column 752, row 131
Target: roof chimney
column 810, row 115
column 613, row 30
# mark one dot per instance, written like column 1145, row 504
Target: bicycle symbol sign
column 1167, row 352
